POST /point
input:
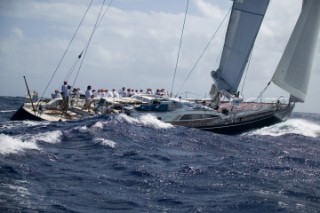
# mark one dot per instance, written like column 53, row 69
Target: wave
column 49, row 137
column 18, row 124
column 291, row 126
column 105, row 142
column 12, row 145
column 98, row 125
column 22, row 191
column 29, row 123
column 6, row 111
column 19, row 143
column 147, row 120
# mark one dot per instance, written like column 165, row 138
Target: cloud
column 18, row 33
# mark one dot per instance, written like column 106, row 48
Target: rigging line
column 98, row 21
column 175, row 70
column 87, row 44
column 105, row 11
column 263, row 91
column 65, row 52
column 73, row 67
column 245, row 74
column 205, row 49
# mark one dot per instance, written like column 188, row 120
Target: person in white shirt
column 115, row 93
column 65, row 92
column 109, row 94
column 100, row 93
column 67, row 98
column 122, row 92
column 64, row 89
column 56, row 94
column 88, row 97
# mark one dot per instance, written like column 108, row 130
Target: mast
column 294, row 69
column 244, row 24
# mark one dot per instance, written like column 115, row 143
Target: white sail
column 294, row 68
column 244, row 24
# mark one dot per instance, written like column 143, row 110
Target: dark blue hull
column 21, row 114
column 238, row 122
column 256, row 122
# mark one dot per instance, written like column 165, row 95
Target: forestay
column 244, row 24
column 294, row 69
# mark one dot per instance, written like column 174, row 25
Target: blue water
column 123, row 164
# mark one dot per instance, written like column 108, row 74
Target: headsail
column 244, row 24
column 294, row 68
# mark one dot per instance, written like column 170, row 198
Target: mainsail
column 294, row 69
column 244, row 24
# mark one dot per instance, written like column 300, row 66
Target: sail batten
column 294, row 68
column 244, row 24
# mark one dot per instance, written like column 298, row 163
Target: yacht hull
column 240, row 124
column 23, row 114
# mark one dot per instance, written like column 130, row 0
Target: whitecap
column 81, row 129
column 128, row 119
column 6, row 111
column 8, row 126
column 35, row 123
column 49, row 137
column 105, row 142
column 291, row 126
column 22, row 191
column 152, row 121
column 98, row 125
column 9, row 144
column 148, row 120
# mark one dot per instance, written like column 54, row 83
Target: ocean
column 122, row 164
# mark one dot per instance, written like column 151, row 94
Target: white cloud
column 18, row 32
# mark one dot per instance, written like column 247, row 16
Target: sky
column 136, row 46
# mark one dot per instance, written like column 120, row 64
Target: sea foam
column 151, row 121
column 147, row 120
column 9, row 144
column 15, row 144
column 291, row 126
column 98, row 125
column 49, row 137
column 105, row 142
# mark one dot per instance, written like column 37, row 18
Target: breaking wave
column 15, row 144
column 105, row 142
column 12, row 145
column 291, row 126
column 147, row 120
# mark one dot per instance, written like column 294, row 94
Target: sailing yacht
column 235, row 116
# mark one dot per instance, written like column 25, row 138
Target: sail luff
column 244, row 24
column 294, row 68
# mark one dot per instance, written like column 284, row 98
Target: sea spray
column 12, row 144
